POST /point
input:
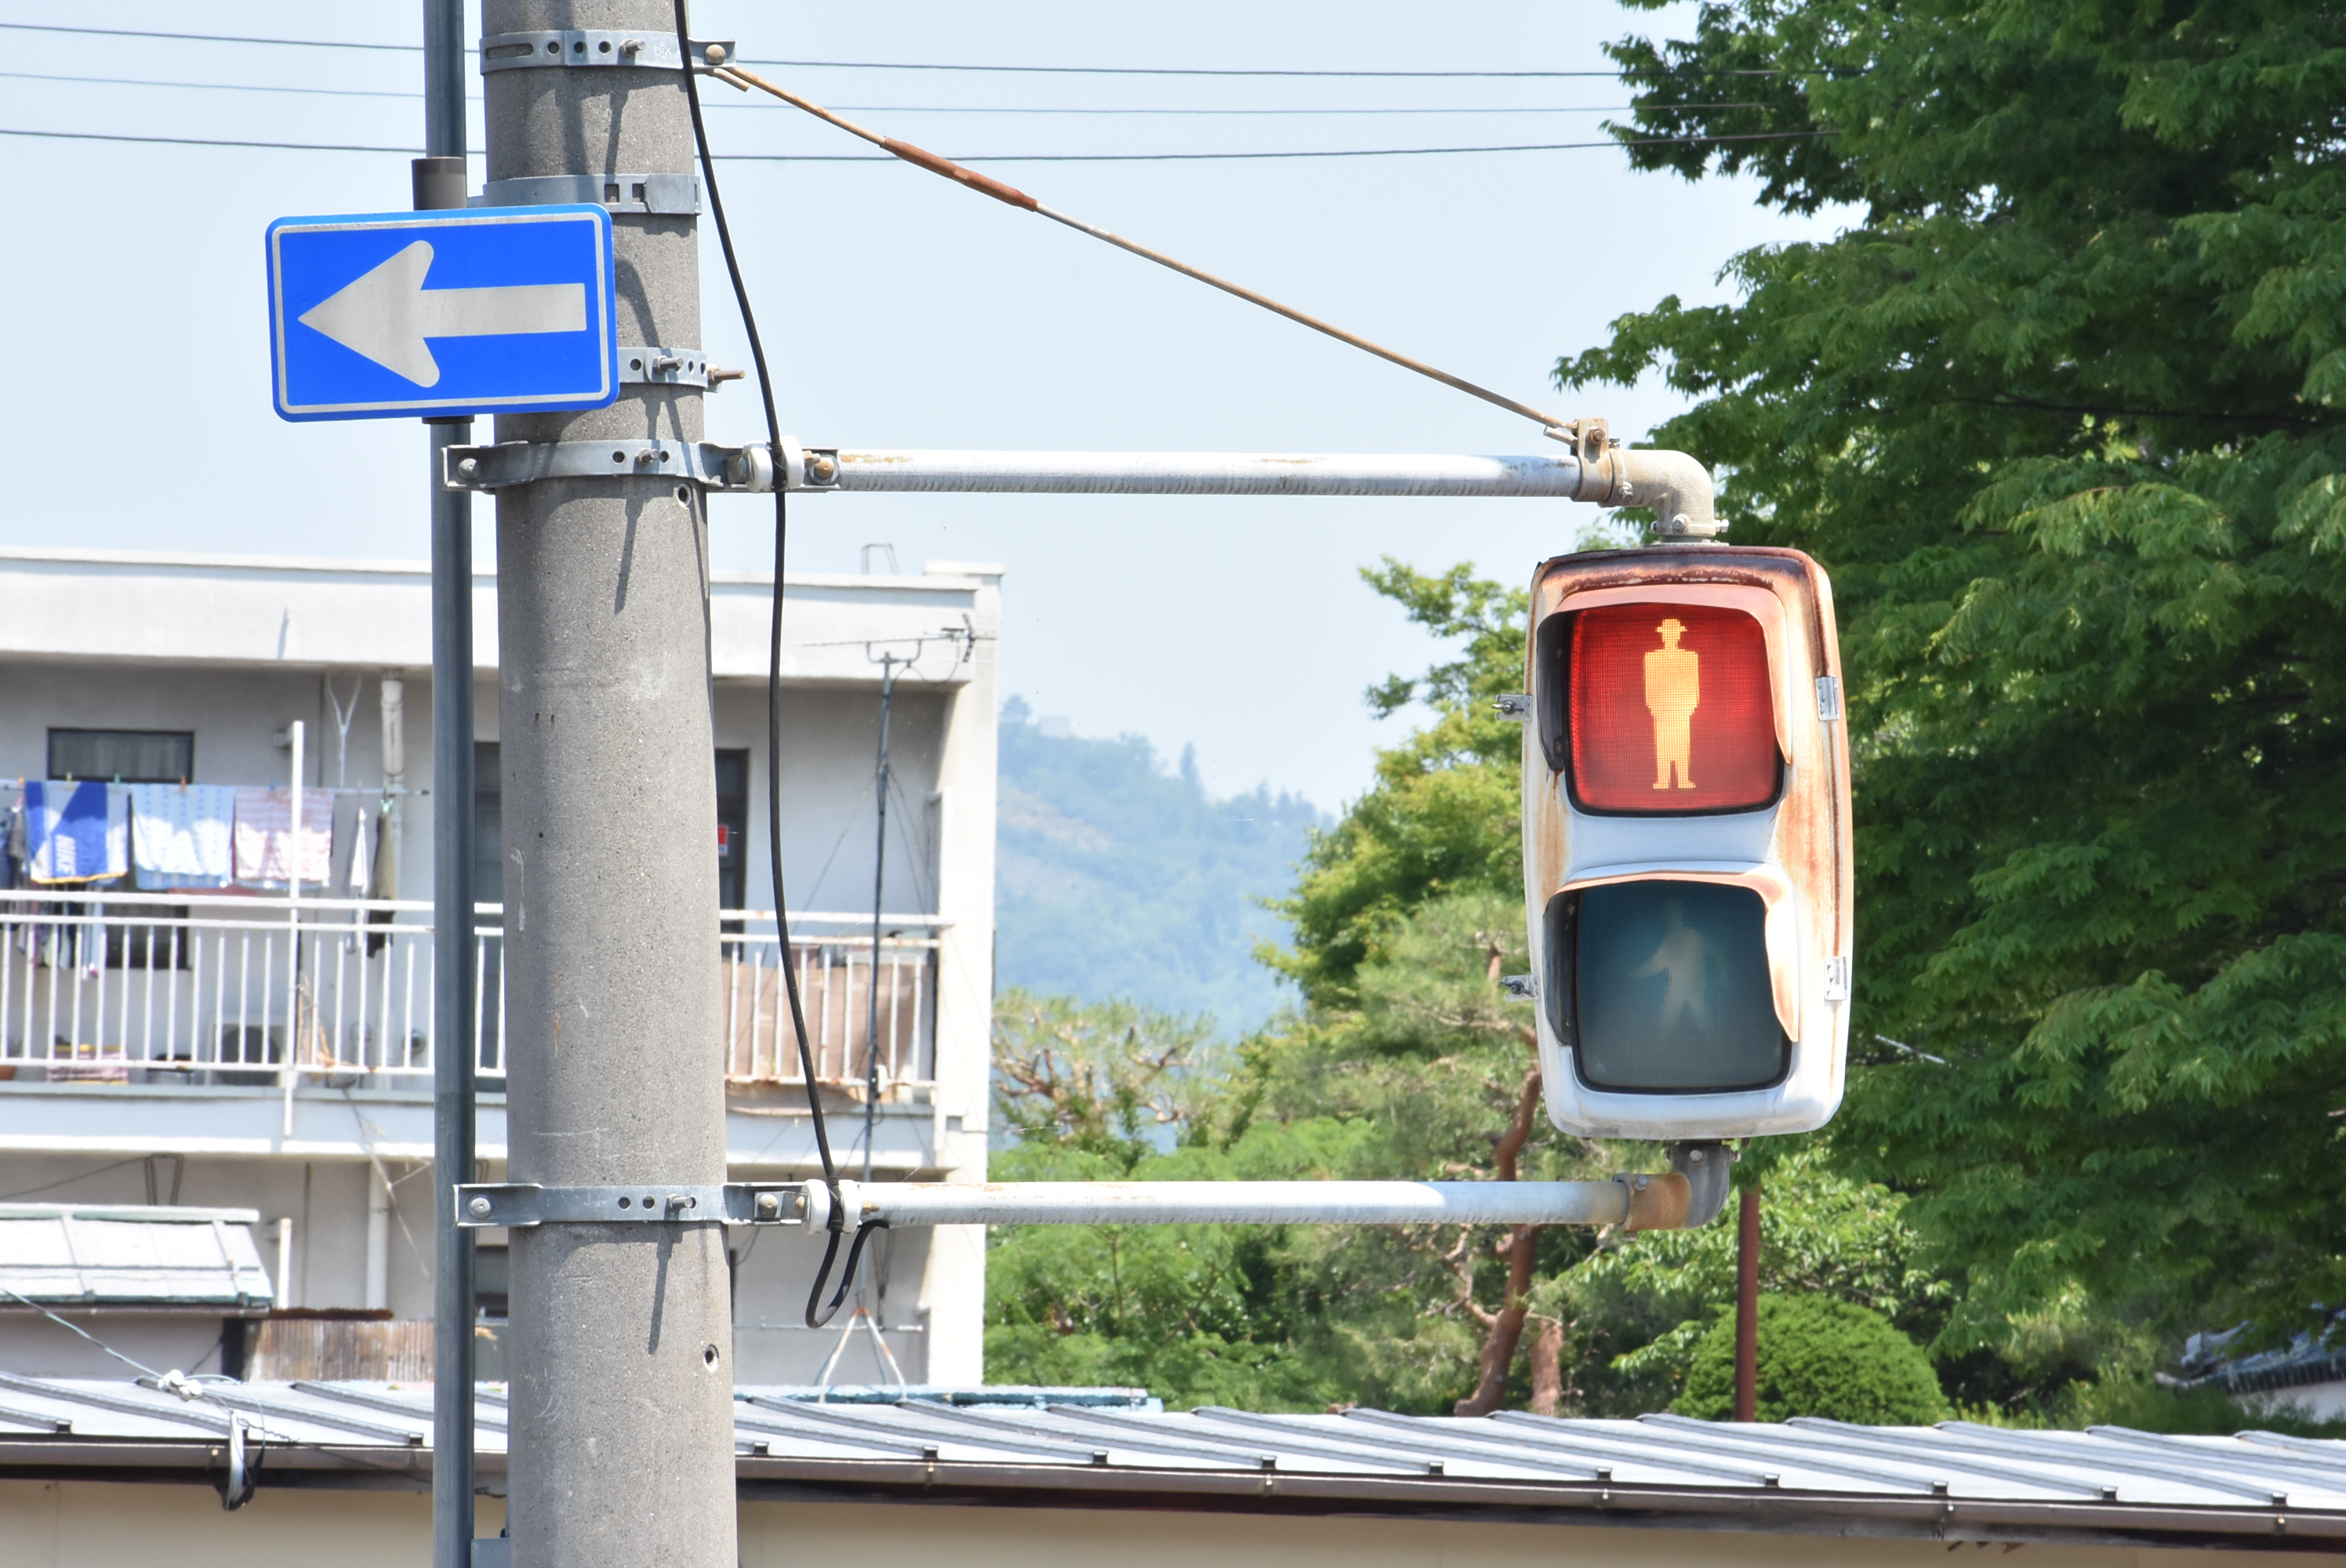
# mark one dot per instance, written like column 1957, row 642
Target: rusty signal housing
column 1790, row 855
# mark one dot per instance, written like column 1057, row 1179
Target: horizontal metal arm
column 1636, row 1202
column 1189, row 473
column 1690, row 1194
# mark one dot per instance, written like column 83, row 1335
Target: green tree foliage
column 2060, row 411
column 1818, row 1357
column 1820, row 1235
column 1444, row 812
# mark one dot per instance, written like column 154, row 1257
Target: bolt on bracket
column 644, row 48
column 666, row 366
column 700, row 462
column 520, row 1205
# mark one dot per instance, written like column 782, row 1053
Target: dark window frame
column 186, row 737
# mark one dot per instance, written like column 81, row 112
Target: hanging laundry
column 264, row 835
column 78, row 832
column 361, row 867
column 182, row 835
column 383, row 883
column 13, row 851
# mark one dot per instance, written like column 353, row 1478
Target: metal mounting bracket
column 667, row 195
column 1708, row 1168
column 643, row 48
column 1514, row 706
column 700, row 462
column 809, row 468
column 520, row 1205
column 666, row 366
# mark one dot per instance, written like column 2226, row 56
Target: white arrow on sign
column 387, row 314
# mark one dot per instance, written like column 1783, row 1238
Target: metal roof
column 101, row 1255
column 1954, row 1480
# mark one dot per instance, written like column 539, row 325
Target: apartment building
column 254, row 1055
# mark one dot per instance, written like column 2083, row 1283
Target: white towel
column 264, row 832
column 182, row 835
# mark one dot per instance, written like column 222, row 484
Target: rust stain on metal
column 1657, row 1202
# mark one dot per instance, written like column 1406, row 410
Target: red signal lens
column 1670, row 710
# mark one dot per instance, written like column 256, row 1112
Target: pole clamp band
column 646, row 48
column 667, row 195
column 520, row 1205
column 700, row 462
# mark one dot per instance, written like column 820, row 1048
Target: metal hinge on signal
column 1827, row 697
column 1514, row 706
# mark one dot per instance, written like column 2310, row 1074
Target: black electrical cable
column 817, row 1314
column 985, row 157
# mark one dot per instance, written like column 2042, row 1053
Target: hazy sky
column 905, row 312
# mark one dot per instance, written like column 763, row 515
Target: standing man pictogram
column 1673, row 691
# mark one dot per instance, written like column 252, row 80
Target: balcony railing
column 266, row 990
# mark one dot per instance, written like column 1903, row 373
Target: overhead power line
column 211, row 38
column 919, row 65
column 971, row 158
column 1228, row 71
column 1228, row 157
column 898, row 109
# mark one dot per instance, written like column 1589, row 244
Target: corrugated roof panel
column 110, row 1255
column 2108, row 1479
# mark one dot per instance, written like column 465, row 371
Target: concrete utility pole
column 440, row 182
column 621, row 1357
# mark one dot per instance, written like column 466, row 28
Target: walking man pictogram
column 1673, row 691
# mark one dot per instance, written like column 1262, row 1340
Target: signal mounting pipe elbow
column 1673, row 483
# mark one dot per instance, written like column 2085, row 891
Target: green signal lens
column 1668, row 987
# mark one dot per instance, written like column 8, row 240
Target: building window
column 124, row 756
column 732, row 830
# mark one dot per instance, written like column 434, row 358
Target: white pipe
column 284, row 1263
column 1205, row 474
column 293, row 937
column 1261, row 1202
column 378, row 1240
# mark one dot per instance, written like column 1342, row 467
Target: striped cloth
column 264, row 836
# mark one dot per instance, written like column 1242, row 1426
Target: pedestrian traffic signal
column 1687, row 841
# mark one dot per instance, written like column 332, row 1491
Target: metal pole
column 621, row 1354
column 1747, row 1307
column 440, row 182
column 1191, row 472
column 879, row 870
column 1639, row 1202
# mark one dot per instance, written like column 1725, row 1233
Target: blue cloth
column 78, row 832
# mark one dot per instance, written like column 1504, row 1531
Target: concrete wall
column 96, row 1524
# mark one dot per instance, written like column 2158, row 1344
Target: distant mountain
column 1119, row 877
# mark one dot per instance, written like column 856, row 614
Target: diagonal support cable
column 986, row 185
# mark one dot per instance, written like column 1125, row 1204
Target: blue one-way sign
column 488, row 309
